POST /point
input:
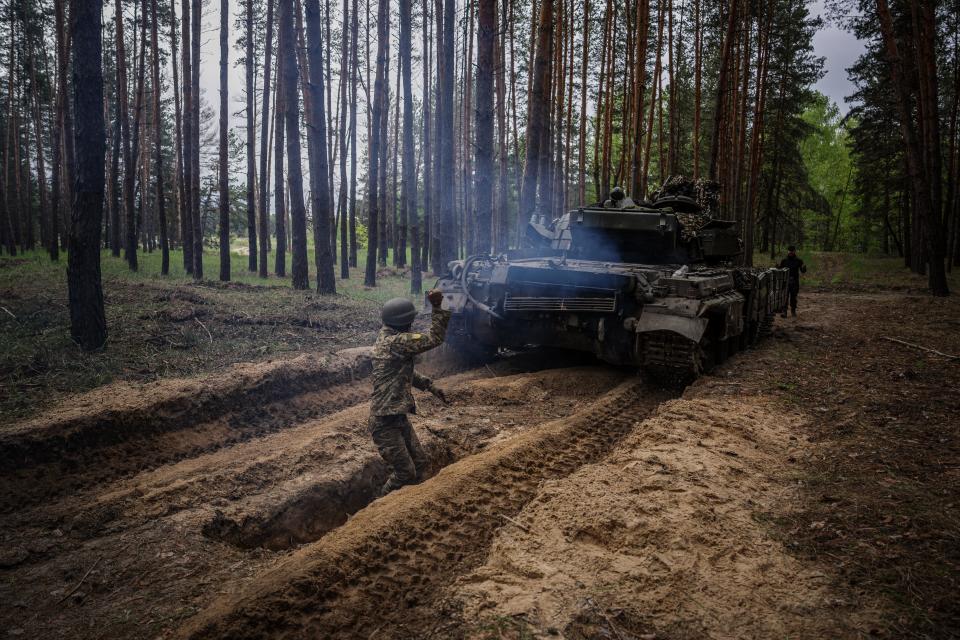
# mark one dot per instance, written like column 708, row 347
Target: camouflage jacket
column 393, row 373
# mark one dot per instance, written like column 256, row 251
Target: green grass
column 391, row 282
column 169, row 326
column 833, row 269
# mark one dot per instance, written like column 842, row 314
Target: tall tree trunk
column 354, row 74
column 373, row 173
column 501, row 227
column 436, row 254
column 428, row 175
column 63, row 49
column 486, row 41
column 342, row 140
column 655, row 97
column 722, row 81
column 638, row 177
column 251, row 147
column 88, row 325
column 291, row 106
column 116, row 241
column 41, row 161
column 264, row 220
column 186, row 180
column 157, row 128
column 224, row 161
column 279, row 191
column 322, row 212
column 582, row 136
column 398, row 222
column 539, row 110
column 448, row 222
column 925, row 183
column 382, row 238
column 409, row 168
column 129, row 171
column 195, row 25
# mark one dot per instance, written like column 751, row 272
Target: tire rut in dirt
column 382, row 573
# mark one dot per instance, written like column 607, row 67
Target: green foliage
column 827, row 157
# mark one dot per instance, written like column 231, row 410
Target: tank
column 650, row 285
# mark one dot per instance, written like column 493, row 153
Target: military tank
column 649, row 284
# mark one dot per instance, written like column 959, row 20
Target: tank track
column 670, row 358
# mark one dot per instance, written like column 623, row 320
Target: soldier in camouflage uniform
column 393, row 375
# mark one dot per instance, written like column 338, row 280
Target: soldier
column 618, row 200
column 796, row 267
column 393, row 374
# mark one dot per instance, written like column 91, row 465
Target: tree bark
column 539, row 110
column 486, row 41
column 157, row 128
column 186, row 179
column 129, row 172
column 88, row 325
column 722, row 81
column 264, row 220
column 279, row 191
column 373, row 173
column 448, row 222
column 251, row 147
column 924, row 182
column 291, row 106
column 354, row 73
column 195, row 25
column 224, row 161
column 342, row 140
column 317, row 150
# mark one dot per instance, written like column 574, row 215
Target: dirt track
column 572, row 500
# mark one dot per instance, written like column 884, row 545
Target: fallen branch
column 204, row 328
column 74, row 590
column 8, row 312
column 519, row 524
column 921, row 348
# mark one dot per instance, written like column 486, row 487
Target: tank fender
column 690, row 328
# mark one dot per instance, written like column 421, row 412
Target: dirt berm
column 126, row 428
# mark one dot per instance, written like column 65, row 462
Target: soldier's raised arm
column 410, row 344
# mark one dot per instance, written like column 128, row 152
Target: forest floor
column 807, row 488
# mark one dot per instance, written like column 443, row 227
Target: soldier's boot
column 784, row 314
column 793, row 312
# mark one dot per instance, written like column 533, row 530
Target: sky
column 840, row 49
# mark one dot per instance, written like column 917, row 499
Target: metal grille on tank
column 541, row 303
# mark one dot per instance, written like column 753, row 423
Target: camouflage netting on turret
column 705, row 193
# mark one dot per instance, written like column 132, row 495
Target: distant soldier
column 393, row 374
column 796, row 267
column 618, row 200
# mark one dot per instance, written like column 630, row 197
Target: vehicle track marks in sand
column 385, row 568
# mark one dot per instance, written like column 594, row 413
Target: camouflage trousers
column 400, row 449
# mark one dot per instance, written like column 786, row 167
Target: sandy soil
column 781, row 496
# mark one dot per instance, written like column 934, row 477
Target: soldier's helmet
column 398, row 312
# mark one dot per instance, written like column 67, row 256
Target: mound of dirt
column 386, row 567
column 663, row 536
column 102, row 417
